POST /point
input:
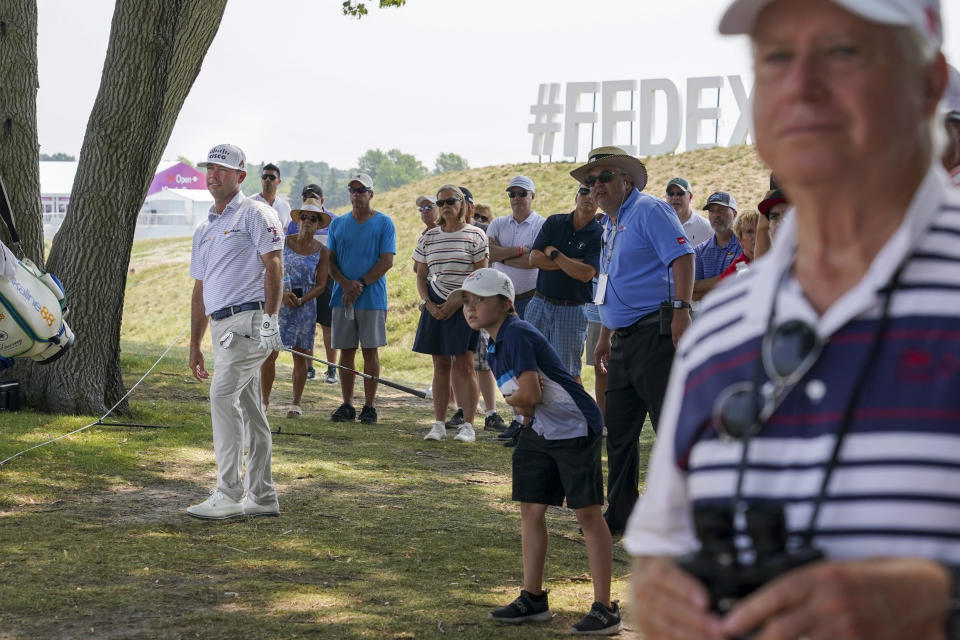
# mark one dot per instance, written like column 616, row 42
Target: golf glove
column 270, row 333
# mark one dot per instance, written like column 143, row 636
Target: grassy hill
column 158, row 288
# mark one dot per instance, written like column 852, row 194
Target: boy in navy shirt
column 557, row 456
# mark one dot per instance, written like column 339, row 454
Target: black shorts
column 547, row 471
column 323, row 306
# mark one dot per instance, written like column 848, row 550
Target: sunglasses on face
column 483, row 219
column 268, row 176
column 603, row 178
column 448, row 201
column 583, row 190
column 358, row 189
column 305, row 217
column 675, row 194
column 425, row 208
column 519, row 193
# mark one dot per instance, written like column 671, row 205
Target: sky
column 297, row 80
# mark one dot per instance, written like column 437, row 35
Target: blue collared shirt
column 636, row 257
column 712, row 259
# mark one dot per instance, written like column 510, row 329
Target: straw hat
column 312, row 205
column 617, row 157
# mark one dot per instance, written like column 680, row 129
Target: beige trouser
column 235, row 407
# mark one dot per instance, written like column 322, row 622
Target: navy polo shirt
column 584, row 245
column 565, row 409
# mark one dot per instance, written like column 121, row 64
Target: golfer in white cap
column 804, row 479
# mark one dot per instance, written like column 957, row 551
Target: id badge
column 601, row 292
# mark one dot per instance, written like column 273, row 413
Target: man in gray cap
column 695, row 226
column 815, row 398
column 238, row 270
column 717, row 252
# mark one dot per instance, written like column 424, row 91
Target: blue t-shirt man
column 636, row 257
column 565, row 409
column 358, row 247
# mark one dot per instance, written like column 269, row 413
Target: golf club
column 228, row 338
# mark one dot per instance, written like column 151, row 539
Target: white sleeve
column 661, row 524
column 8, row 263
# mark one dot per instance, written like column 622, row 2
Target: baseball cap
column 523, row 182
column 950, row 105
column 315, row 189
column 488, row 282
column 362, row 178
column 680, row 182
column 772, row 199
column 226, row 155
column 721, row 197
column 423, row 199
column 469, row 196
column 922, row 16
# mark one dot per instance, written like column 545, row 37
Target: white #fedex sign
column 658, row 97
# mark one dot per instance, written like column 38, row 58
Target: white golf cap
column 523, row 182
column 426, row 199
column 921, row 15
column 226, row 155
column 950, row 104
column 488, row 282
column 363, row 179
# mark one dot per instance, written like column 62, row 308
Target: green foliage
column 57, row 157
column 391, row 169
column 447, row 162
column 359, row 9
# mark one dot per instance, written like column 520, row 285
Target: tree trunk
column 19, row 151
column 155, row 52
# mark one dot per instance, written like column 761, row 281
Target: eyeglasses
column 519, row 193
column 358, row 189
column 448, row 201
column 425, row 208
column 787, row 353
column 675, row 194
column 603, row 178
column 269, row 176
column 583, row 190
column 483, row 219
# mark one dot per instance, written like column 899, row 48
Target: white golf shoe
column 252, row 509
column 438, row 432
column 465, row 433
column 219, row 506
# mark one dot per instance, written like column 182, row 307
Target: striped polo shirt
column 227, row 249
column 896, row 488
column 712, row 259
column 450, row 256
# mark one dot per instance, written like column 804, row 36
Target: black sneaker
column 455, row 421
column 344, row 413
column 311, row 373
column 368, row 415
column 511, row 431
column 524, row 609
column 600, row 621
column 494, row 423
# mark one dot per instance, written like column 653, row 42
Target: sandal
column 294, row 411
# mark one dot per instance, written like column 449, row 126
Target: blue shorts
column 565, row 328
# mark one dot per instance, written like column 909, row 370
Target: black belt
column 649, row 320
column 558, row 302
column 524, row 295
column 226, row 312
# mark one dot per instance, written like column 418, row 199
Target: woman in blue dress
column 305, row 262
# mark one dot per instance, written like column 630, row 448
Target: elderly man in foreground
column 816, row 397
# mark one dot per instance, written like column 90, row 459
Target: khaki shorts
column 593, row 336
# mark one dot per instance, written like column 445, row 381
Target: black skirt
column 450, row 337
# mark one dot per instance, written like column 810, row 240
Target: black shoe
column 600, row 621
column 455, row 421
column 511, row 431
column 344, row 413
column 311, row 373
column 523, row 609
column 368, row 415
column 494, row 423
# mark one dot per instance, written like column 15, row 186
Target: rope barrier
column 111, row 410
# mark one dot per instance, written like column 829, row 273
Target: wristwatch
column 682, row 304
column 554, row 254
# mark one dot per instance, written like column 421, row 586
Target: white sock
column 518, row 419
column 491, row 412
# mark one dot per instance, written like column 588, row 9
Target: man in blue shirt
column 362, row 245
column 720, row 250
column 567, row 254
column 646, row 260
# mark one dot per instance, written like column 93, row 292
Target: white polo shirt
column 510, row 233
column 279, row 205
column 227, row 249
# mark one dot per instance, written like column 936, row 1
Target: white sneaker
column 465, row 433
column 218, row 506
column 438, row 432
column 253, row 509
